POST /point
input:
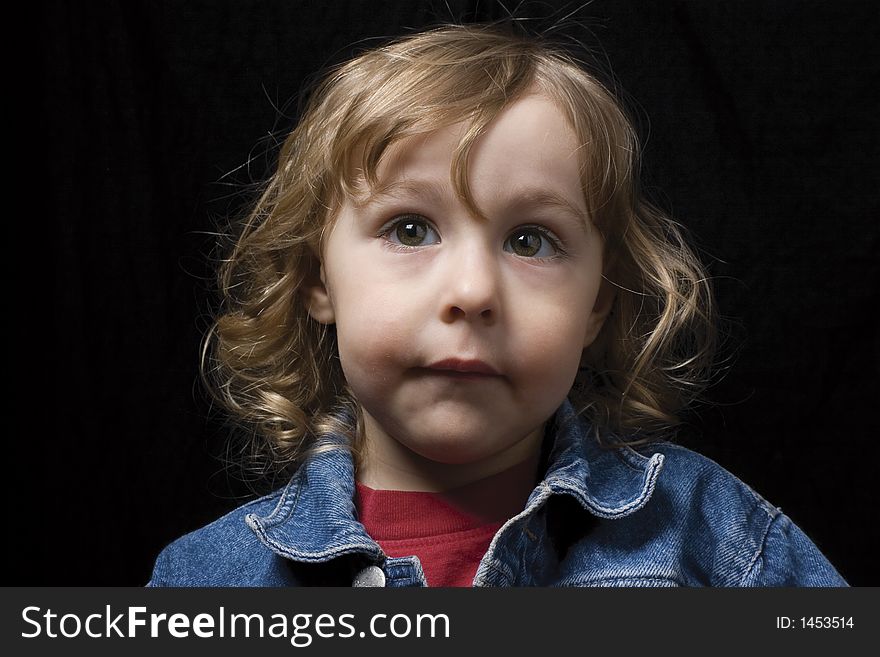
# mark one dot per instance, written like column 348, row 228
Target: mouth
column 457, row 368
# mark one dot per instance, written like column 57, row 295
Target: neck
column 387, row 464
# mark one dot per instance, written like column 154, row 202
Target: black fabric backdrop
column 153, row 118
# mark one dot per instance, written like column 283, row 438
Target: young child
column 454, row 323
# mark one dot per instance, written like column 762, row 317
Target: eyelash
column 545, row 233
column 386, row 231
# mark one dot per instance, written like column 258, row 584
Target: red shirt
column 449, row 531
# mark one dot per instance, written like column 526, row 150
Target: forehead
column 528, row 148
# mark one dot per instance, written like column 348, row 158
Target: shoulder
column 743, row 539
column 697, row 478
column 234, row 552
column 698, row 493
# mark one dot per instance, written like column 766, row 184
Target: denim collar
column 609, row 482
column 314, row 519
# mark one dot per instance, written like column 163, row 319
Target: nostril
column 457, row 312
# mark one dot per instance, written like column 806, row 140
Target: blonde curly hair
column 277, row 370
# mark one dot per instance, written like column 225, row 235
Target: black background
column 153, row 118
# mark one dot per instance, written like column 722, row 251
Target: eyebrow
column 430, row 190
column 531, row 197
column 435, row 191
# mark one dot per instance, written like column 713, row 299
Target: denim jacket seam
column 753, row 543
column 771, row 511
column 632, row 459
column 491, row 564
column 311, row 557
column 772, row 515
column 413, row 561
column 594, row 506
column 759, row 499
column 282, row 509
column 587, row 581
column 681, row 448
column 761, row 546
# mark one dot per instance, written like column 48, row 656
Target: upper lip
column 470, row 366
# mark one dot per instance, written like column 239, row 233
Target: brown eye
column 412, row 231
column 530, row 243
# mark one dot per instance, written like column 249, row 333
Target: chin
column 454, row 447
column 450, row 454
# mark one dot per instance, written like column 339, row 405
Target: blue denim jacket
column 599, row 517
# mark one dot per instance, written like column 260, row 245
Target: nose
column 473, row 287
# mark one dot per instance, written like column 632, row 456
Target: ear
column 601, row 310
column 317, row 297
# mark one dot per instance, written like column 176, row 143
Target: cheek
column 551, row 340
column 372, row 333
column 554, row 348
column 369, row 342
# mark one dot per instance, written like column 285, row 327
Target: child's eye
column 411, row 230
column 532, row 242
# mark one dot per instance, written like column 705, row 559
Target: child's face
column 459, row 335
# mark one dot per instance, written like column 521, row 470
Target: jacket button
column 369, row 576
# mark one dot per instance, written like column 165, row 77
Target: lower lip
column 462, row 376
